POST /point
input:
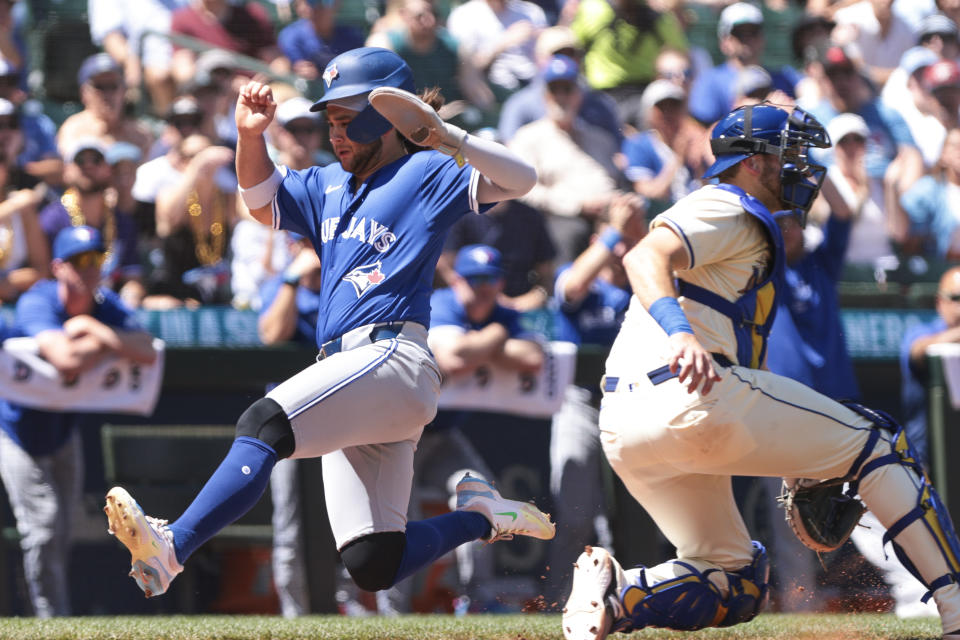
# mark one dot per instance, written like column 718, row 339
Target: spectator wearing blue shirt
column 469, row 333
column 667, row 157
column 316, row 38
column 892, row 156
column 76, row 324
column 528, row 104
column 591, row 296
column 741, row 39
column 36, row 153
column 291, row 302
column 931, row 203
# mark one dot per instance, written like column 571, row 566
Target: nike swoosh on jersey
column 512, row 514
column 331, row 188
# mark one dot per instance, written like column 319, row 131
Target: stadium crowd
column 611, row 100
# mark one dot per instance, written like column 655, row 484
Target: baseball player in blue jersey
column 687, row 403
column 377, row 219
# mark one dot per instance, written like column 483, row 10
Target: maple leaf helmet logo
column 330, row 74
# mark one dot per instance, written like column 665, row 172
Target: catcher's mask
column 765, row 128
column 356, row 73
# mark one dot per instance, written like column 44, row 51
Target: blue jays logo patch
column 330, row 74
column 364, row 277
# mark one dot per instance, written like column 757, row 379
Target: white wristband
column 260, row 195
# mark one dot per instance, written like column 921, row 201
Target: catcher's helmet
column 358, row 72
column 764, row 128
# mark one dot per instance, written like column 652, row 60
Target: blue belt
column 660, row 374
column 385, row 331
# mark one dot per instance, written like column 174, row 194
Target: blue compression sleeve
column 668, row 314
column 429, row 539
column 230, row 492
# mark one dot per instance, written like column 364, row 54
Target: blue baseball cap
column 72, row 241
column 95, row 65
column 560, row 67
column 478, row 260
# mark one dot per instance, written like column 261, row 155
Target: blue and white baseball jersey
column 594, row 320
column 378, row 243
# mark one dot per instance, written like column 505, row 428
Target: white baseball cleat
column 593, row 604
column 154, row 562
column 507, row 517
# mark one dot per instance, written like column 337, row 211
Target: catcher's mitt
column 820, row 514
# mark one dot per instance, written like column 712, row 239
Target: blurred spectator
column 528, row 104
column 932, row 207
column 906, row 94
column 90, row 199
column 289, row 313
column 942, row 80
column 120, row 27
column 873, row 218
column 577, row 176
column 124, row 159
column 183, row 118
column 36, row 156
column 232, row 25
column 13, row 46
column 476, row 331
column 76, row 324
column 914, row 369
column 103, row 116
column 939, row 33
column 195, row 215
column 316, row 38
column 666, row 158
column 876, row 34
column 438, row 61
column 949, row 8
column 591, row 297
column 741, row 39
column 519, row 232
column 215, row 86
column 498, row 37
column 258, row 252
column 24, row 252
column 892, row 158
column 674, row 65
column 621, row 39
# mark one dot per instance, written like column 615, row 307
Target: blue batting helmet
column 358, row 72
column 764, row 128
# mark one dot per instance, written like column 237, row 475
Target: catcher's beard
column 365, row 157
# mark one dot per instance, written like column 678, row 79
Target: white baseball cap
column 737, row 14
column 845, row 124
column 658, row 91
column 295, row 108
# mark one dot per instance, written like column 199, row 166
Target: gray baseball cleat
column 154, row 563
column 594, row 602
column 507, row 517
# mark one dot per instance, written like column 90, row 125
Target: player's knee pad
column 930, row 509
column 693, row 601
column 373, row 560
column 266, row 421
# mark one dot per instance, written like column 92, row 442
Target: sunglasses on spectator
column 476, row 281
column 747, row 32
column 9, row 124
column 675, row 74
column 852, row 138
column 9, row 80
column 106, row 87
column 562, row 87
column 89, row 157
column 88, row 259
column 184, row 122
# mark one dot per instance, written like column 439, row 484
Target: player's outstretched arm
column 650, row 266
column 257, row 176
column 505, row 175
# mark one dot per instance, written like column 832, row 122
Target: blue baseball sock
column 429, row 539
column 230, row 492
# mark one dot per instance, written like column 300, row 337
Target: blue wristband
column 609, row 238
column 668, row 314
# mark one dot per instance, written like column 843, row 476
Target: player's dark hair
column 435, row 99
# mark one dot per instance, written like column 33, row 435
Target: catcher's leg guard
column 929, row 509
column 696, row 599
